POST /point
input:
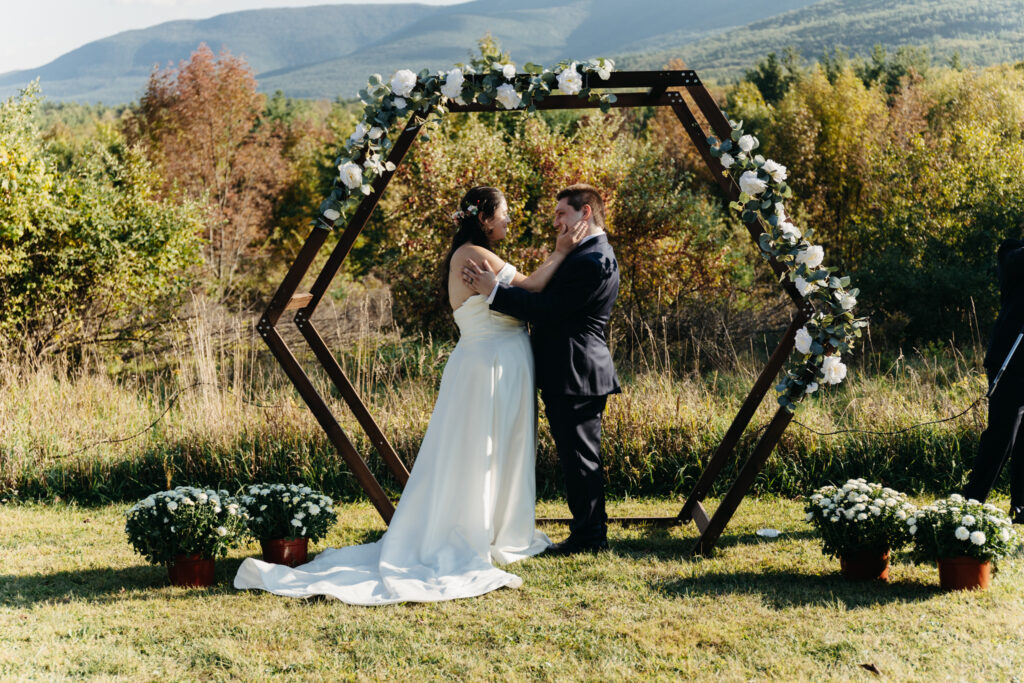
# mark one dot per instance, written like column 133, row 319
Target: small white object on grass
column 768, row 533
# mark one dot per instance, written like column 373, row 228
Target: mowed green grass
column 76, row 602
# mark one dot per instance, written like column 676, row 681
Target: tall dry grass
column 217, row 410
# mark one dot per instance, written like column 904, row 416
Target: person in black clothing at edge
column 574, row 367
column 1004, row 437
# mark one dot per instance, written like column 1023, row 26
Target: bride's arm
column 567, row 241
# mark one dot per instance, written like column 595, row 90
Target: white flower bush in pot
column 860, row 523
column 964, row 537
column 186, row 529
column 285, row 518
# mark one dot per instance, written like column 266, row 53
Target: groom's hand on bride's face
column 480, row 278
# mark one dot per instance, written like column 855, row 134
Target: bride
column 469, row 501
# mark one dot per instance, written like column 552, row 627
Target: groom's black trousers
column 576, row 428
column 1003, row 439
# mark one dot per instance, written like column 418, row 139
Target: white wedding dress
column 469, row 502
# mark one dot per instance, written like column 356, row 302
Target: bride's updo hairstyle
column 476, row 207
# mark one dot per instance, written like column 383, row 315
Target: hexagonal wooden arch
column 642, row 89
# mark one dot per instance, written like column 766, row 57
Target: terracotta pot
column 964, row 573
column 281, row 551
column 190, row 570
column 865, row 566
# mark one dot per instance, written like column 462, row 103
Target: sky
column 35, row 32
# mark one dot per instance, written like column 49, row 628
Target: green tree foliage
column 909, row 179
column 88, row 253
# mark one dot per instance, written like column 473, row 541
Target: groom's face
column 567, row 217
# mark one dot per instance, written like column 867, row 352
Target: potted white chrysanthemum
column 285, row 518
column 963, row 537
column 186, row 529
column 860, row 524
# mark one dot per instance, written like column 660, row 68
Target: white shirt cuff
column 490, row 297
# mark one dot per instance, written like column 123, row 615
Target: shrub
column 185, row 521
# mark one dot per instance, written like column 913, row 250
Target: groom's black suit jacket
column 1010, row 259
column 568, row 321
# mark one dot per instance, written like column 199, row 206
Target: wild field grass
column 216, row 410
column 75, row 602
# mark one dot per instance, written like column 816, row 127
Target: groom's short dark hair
column 579, row 194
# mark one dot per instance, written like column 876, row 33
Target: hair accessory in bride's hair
column 470, row 210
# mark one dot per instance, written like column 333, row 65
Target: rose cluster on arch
column 832, row 329
column 486, row 80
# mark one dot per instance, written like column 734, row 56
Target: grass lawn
column 76, row 602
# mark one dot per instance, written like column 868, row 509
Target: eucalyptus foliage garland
column 485, row 80
column 832, row 329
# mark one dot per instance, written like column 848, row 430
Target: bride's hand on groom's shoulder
column 570, row 237
column 478, row 277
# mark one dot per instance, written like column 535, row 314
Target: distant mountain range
column 328, row 51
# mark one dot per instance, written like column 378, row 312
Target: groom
column 574, row 366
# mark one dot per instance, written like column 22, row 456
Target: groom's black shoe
column 572, row 547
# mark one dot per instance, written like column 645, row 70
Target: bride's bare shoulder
column 476, row 253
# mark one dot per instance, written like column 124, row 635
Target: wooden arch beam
column 634, row 89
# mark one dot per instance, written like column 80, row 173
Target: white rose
column 221, row 531
column 452, row 87
column 833, row 369
column 508, row 97
column 1004, row 535
column 296, row 522
column 978, row 537
column 375, row 133
column 399, row 103
column 727, row 160
column 776, row 170
column 509, row 71
column 803, row 340
column 968, row 520
column 789, row 231
column 961, row 533
column 172, row 506
column 875, row 510
column 357, row 136
column 847, row 300
column 804, row 287
column 569, row 81
column 351, row 174
column 956, row 498
column 862, row 516
column 747, row 142
column 403, row 82
column 314, row 509
column 849, row 514
column 751, row 184
column 604, row 68
column 911, row 521
column 811, row 388
column 900, row 514
column 811, row 257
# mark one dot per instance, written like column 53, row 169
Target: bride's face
column 496, row 227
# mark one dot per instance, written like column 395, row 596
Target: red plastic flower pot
column 865, row 566
column 964, row 573
column 281, row 551
column 191, row 570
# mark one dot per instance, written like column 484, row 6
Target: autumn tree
column 202, row 126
